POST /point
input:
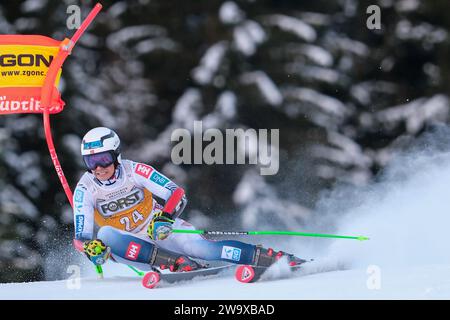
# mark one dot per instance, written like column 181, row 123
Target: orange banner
column 24, row 63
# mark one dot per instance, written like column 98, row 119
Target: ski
column 249, row 273
column 153, row 278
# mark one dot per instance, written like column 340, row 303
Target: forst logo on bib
column 122, row 203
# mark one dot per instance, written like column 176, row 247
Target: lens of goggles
column 103, row 159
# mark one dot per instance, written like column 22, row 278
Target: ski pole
column 99, row 268
column 140, row 273
column 285, row 233
column 99, row 271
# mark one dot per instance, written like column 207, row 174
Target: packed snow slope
column 405, row 212
column 416, row 282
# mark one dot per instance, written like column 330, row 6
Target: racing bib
column 129, row 219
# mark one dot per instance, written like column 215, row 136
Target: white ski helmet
column 100, row 142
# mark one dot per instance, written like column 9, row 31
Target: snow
column 425, row 282
column 187, row 108
column 356, row 177
column 10, row 198
column 405, row 214
column 350, row 7
column 255, row 30
column 152, row 150
column 226, row 104
column 407, row 5
column 415, row 113
column 318, row 55
column 346, row 44
column 348, row 152
column 230, row 13
column 266, row 86
column 117, row 41
column 147, row 46
column 386, row 3
column 262, row 207
column 326, row 103
column 422, row 32
column 99, row 111
column 314, row 73
column 30, row 6
column 117, row 9
column 293, row 25
column 363, row 91
column 248, row 36
column 433, row 72
column 243, row 42
column 25, row 24
column 315, row 19
column 210, row 63
column 225, row 109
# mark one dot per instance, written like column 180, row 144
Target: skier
column 118, row 196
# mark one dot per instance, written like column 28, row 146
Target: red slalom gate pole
column 47, row 92
column 91, row 16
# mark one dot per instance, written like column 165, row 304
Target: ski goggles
column 102, row 159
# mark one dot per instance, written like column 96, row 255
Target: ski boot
column 267, row 257
column 165, row 259
column 262, row 260
column 184, row 264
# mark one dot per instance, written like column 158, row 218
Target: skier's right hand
column 96, row 251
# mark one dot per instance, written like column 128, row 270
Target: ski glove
column 161, row 226
column 96, row 251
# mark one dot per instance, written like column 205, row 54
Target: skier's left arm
column 161, row 186
column 175, row 200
